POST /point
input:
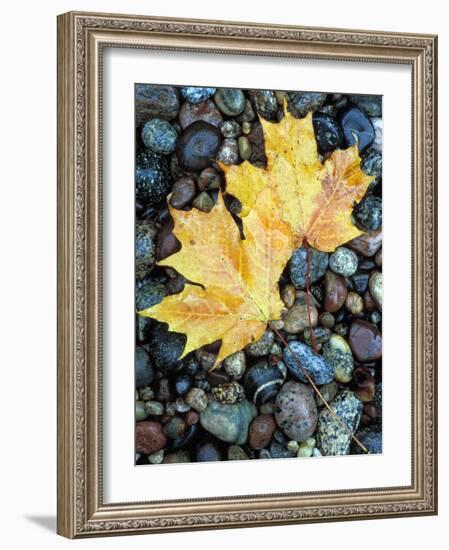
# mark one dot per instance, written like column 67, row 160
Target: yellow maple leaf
column 239, row 290
column 316, row 199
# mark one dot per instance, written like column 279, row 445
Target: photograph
column 258, row 274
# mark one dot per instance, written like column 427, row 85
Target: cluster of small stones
column 258, row 403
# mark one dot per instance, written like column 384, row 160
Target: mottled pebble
column 328, row 133
column 298, row 266
column 338, row 354
column 229, row 392
column 228, row 422
column 231, row 129
column 157, row 457
column 235, row 452
column 166, row 347
column 155, row 101
column 300, row 103
column 149, row 437
column 140, row 411
column 153, row 178
column 209, row 179
column 146, row 233
column 328, row 391
column 183, row 192
column 235, row 365
column 228, row 152
column 375, row 288
column 197, row 399
column 203, row 202
column 368, row 213
column 262, row 346
column 314, row 364
column 261, row 431
column 204, row 111
column 343, row 261
column 296, row 411
column 265, row 103
column 367, row 244
column 230, row 101
column 371, row 438
column 354, row 303
column 365, row 340
column 159, row 136
column 144, row 369
column 154, row 408
column 196, row 94
column 371, row 104
column 244, row 147
column 175, row 427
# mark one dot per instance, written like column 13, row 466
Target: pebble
column 157, row 457
column 209, row 180
column 235, row 365
column 203, row 202
column 354, row 303
column 140, row 411
column 195, row 94
column 183, row 383
column 177, row 457
column 335, row 291
column 378, row 258
column 263, row 380
column 175, row 427
column 149, row 437
column 314, row 364
column 146, row 394
column 371, row 438
column 265, row 103
column 154, row 408
column 333, row 436
column 375, row 288
column 293, row 446
column 145, row 250
column 198, row 145
column 300, row 103
column 149, row 294
column 320, row 335
column 378, row 131
column 166, row 244
column 155, row 101
column 229, row 392
column 368, row 213
column 337, row 353
column 360, row 282
column 357, row 127
column 326, row 319
column 371, row 104
column 343, row 261
column 375, row 317
column 328, row 391
column 248, row 114
column 278, row 447
column 230, row 101
column 319, row 262
column 228, row 422
column 191, row 418
column 235, row 452
column 182, row 193
column 197, row 399
column 328, row 133
column 288, row 295
column 244, row 147
column 159, row 136
column 296, row 411
column 153, row 178
column 365, row 341
column 144, row 369
column 261, row 431
column 217, row 376
column 372, row 165
column 367, row 244
column 262, row 346
column 231, row 129
column 228, row 153
column 166, row 348
column 365, row 384
column 306, row 448
column 246, row 127
column 256, row 140
column 164, row 392
column 297, row 318
column 175, row 284
column 205, row 111
column 208, row 451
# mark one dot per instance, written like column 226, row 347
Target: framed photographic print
column 246, row 274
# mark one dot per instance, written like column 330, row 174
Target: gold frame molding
column 81, row 38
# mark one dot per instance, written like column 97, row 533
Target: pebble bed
column 257, row 404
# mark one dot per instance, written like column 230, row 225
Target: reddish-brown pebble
column 367, row 244
column 261, row 431
column 335, row 291
column 191, row 418
column 149, row 437
column 365, row 340
column 183, row 192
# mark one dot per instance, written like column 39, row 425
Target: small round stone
column 338, row 354
column 205, row 111
column 296, row 411
column 297, row 318
column 376, row 288
column 343, row 261
column 261, row 431
column 328, row 391
column 298, row 266
column 293, row 446
column 300, row 103
column 166, row 348
column 175, row 427
column 197, row 399
column 159, row 136
column 144, row 369
column 235, row 452
column 191, row 418
column 231, row 129
column 208, row 451
column 228, row 152
column 183, row 192
column 326, row 319
column 155, row 101
column 149, row 437
column 368, row 213
column 195, row 94
column 230, row 101
column 367, row 244
column 154, row 408
column 157, row 457
column 365, row 341
column 235, row 365
column 140, row 411
column 262, row 346
column 228, row 422
column 265, row 103
column 183, row 383
column 354, row 303
column 198, row 146
column 203, row 202
column 328, row 133
column 209, row 180
column 299, row 357
column 245, row 149
column 335, row 292
column 288, row 295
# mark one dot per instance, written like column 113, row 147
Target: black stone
column 144, row 370
column 360, row 282
column 357, row 127
column 300, row 103
column 372, row 165
column 153, row 178
column 265, row 103
column 190, row 365
column 166, row 348
column 183, row 383
column 370, row 438
column 371, row 104
column 150, row 293
column 368, row 213
column 328, row 133
column 186, row 439
column 198, row 146
column 208, row 451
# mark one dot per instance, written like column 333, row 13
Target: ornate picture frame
column 81, row 40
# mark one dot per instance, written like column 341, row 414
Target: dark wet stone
column 357, row 127
column 166, row 244
column 198, row 146
column 333, row 436
column 149, row 437
column 188, row 437
column 262, row 346
column 265, row 103
column 146, row 233
column 228, row 422
column 159, row 136
column 208, row 451
column 278, row 447
column 298, row 266
column 367, row 244
column 166, row 348
column 149, row 294
column 203, row 202
column 155, row 101
column 205, row 111
column 183, row 192
column 195, row 94
column 360, row 282
column 144, row 370
column 153, row 178
column 261, row 431
column 368, row 213
column 335, row 291
column 372, row 165
column 263, row 380
column 174, row 428
column 328, row 133
column 371, row 104
column 296, row 411
column 183, row 383
column 371, row 438
column 300, row 103
column 256, row 140
column 190, row 365
column 209, row 180
column 230, row 101
column 365, row 340
column 314, row 364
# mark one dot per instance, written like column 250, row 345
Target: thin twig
column 306, row 374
